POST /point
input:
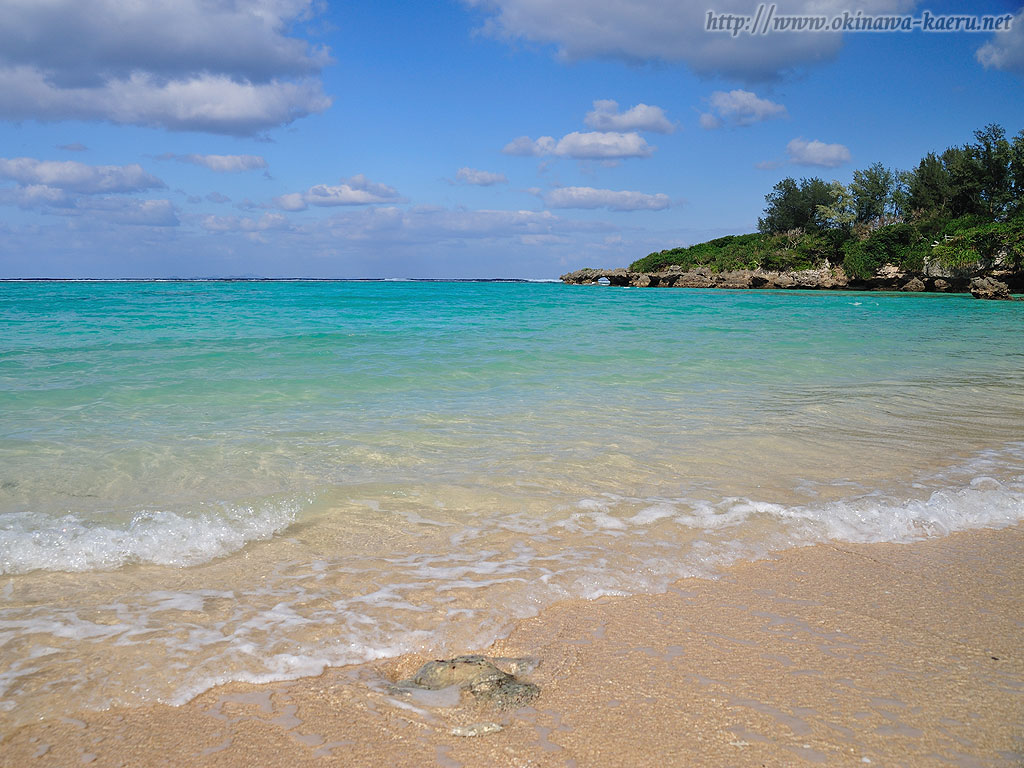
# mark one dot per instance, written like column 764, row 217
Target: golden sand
column 881, row 654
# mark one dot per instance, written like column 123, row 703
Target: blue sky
column 472, row 138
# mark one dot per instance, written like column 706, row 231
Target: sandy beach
column 837, row 654
column 338, row 426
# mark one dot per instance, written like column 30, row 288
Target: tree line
column 962, row 207
column 984, row 179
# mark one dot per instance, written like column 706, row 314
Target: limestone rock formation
column 888, row 277
column 702, row 277
column 990, row 288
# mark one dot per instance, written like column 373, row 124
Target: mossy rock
column 480, row 677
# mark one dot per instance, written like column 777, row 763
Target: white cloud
column 740, row 108
column 76, row 147
column 480, row 178
column 672, row 30
column 768, row 165
column 605, row 116
column 113, row 37
column 213, row 103
column 342, row 194
column 37, row 196
column 70, row 188
column 221, row 163
column 597, row 144
column 524, row 146
column 224, row 67
column 616, row 200
column 803, row 152
column 130, row 211
column 72, row 176
column 1006, row 49
column 358, row 190
column 113, row 210
column 293, row 201
column 590, row 145
column 709, row 121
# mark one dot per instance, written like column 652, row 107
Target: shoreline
column 835, row 654
column 981, row 284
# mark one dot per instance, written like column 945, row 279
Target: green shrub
column 972, row 241
column 784, row 251
column 901, row 244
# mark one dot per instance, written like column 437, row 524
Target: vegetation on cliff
column 954, row 211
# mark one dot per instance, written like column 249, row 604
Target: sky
column 450, row 138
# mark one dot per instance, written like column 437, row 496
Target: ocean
column 211, row 481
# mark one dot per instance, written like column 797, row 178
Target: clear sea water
column 209, row 481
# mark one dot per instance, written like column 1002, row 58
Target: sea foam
column 434, row 591
column 32, row 541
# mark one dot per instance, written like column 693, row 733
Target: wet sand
column 882, row 654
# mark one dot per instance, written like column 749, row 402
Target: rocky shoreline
column 992, row 284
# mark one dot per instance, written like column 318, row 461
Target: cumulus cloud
column 71, row 188
column 205, row 102
column 217, row 197
column 113, row 210
column 596, row 144
column 31, row 196
column 768, row 165
column 480, row 178
column 740, row 108
column 1006, row 49
column 803, row 152
column 616, row 200
column 605, row 116
column 672, row 30
column 223, row 67
column 524, row 146
column 82, row 40
column 358, row 190
column 604, row 145
column 221, row 163
column 72, row 176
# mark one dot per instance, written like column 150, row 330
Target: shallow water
column 210, row 481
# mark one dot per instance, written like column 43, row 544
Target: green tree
column 782, row 211
column 841, row 213
column 793, row 205
column 929, row 189
column 875, row 192
column 993, row 160
column 964, row 182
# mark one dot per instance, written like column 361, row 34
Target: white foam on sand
column 433, row 592
column 33, row 541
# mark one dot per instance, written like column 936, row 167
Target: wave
column 32, row 541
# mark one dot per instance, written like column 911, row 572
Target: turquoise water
column 211, row 481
